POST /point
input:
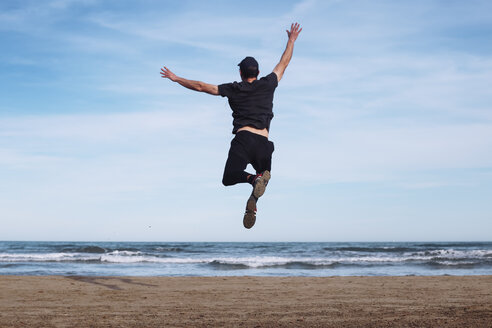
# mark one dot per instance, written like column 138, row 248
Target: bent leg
column 235, row 165
column 263, row 156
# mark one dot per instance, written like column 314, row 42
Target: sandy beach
column 59, row 301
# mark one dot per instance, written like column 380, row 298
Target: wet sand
column 58, row 301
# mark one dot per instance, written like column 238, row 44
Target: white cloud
column 384, row 153
column 106, row 127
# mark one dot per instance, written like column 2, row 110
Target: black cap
column 249, row 67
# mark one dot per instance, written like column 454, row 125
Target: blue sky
column 382, row 128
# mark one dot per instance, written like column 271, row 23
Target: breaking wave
column 246, row 258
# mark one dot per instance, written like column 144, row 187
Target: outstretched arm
column 190, row 84
column 295, row 29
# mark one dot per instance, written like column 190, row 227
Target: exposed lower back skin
column 262, row 132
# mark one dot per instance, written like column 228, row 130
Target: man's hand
column 295, row 29
column 166, row 73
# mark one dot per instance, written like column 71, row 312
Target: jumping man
column 251, row 101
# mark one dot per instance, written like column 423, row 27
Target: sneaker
column 250, row 215
column 260, row 183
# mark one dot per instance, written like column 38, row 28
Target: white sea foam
column 452, row 253
column 45, row 257
column 445, row 257
column 263, row 261
column 125, row 253
column 135, row 258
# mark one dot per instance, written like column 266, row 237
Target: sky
column 382, row 127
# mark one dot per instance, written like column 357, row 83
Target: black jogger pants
column 247, row 148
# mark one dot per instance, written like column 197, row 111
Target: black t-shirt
column 251, row 103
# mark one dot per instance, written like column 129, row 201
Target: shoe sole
column 250, row 215
column 260, row 186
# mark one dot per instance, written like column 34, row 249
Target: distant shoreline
column 82, row 301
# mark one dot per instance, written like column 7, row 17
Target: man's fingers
column 294, row 28
column 166, row 73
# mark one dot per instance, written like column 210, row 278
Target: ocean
column 314, row 259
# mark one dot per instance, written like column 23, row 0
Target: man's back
column 251, row 102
